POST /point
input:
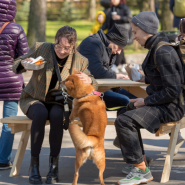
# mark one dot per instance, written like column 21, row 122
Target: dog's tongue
column 97, row 93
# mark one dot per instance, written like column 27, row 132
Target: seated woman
column 36, row 101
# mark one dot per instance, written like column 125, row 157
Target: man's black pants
column 128, row 132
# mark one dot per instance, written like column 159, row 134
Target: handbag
column 62, row 96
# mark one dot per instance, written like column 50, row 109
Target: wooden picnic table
column 23, row 124
column 136, row 88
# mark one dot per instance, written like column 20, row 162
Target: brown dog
column 91, row 110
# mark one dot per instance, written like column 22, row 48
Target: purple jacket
column 13, row 43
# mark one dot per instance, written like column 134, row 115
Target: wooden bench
column 23, row 124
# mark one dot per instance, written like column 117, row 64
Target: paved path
column 154, row 147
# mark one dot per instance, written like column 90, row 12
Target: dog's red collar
column 96, row 93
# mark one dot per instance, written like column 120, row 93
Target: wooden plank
column 166, row 128
column 15, row 128
column 20, row 153
column 18, row 120
column 137, row 91
column 170, row 153
column 118, row 83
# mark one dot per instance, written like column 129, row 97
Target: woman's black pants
column 40, row 113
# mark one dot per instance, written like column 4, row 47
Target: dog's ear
column 75, row 72
column 69, row 84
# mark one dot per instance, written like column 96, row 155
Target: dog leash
column 100, row 94
column 64, row 93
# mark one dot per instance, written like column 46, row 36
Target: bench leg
column 20, row 153
column 170, row 153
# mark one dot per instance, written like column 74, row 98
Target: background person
column 100, row 19
column 13, row 44
column 120, row 14
column 176, row 20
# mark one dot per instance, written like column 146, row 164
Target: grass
column 82, row 27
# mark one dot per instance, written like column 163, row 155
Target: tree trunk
column 92, row 10
column 152, row 5
column 143, row 5
column 146, row 5
column 37, row 22
column 167, row 17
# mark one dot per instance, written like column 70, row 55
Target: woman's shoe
column 34, row 176
column 52, row 176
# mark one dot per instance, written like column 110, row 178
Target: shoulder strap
column 4, row 25
column 160, row 44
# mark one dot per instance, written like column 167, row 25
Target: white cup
column 114, row 13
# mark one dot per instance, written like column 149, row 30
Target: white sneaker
column 180, row 142
column 114, row 68
column 136, row 176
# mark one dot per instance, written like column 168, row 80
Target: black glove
column 130, row 106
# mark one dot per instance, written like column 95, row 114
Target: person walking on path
column 177, row 7
column 120, row 14
column 37, row 102
column 163, row 103
column 13, row 44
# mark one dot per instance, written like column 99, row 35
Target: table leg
column 20, row 153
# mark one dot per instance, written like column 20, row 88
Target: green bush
column 23, row 11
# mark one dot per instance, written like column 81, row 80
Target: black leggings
column 40, row 113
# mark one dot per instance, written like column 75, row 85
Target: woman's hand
column 26, row 60
column 138, row 102
column 116, row 17
column 85, row 78
column 143, row 76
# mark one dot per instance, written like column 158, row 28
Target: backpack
column 179, row 8
column 180, row 49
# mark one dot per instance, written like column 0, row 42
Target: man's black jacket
column 95, row 49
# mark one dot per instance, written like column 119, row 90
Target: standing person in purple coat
column 13, row 44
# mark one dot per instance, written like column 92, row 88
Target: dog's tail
column 80, row 139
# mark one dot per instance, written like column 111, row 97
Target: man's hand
column 121, row 76
column 143, row 76
column 85, row 78
column 116, row 17
column 26, row 60
column 138, row 102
